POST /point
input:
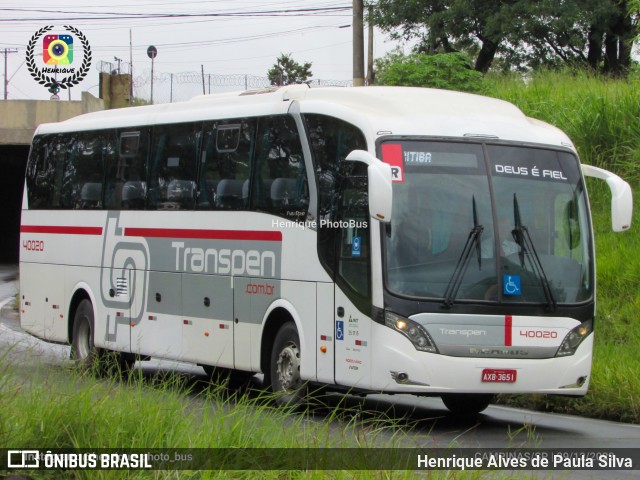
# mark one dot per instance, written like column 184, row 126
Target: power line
column 145, row 16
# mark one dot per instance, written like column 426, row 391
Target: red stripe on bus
column 508, row 324
column 204, row 234
column 59, row 230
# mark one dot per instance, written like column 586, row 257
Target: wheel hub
column 289, row 367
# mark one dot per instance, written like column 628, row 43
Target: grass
column 60, row 407
column 599, row 114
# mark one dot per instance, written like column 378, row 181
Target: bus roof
column 376, row 110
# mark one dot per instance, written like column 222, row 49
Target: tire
column 467, row 404
column 87, row 356
column 286, row 384
column 83, row 349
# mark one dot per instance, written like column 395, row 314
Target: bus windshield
column 487, row 222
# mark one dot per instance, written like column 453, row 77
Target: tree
column 449, row 25
column 287, row 71
column 587, row 33
column 450, row 71
column 521, row 34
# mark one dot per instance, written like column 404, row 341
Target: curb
column 10, row 313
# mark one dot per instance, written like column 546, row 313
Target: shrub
column 449, row 71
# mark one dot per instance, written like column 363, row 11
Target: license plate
column 490, row 375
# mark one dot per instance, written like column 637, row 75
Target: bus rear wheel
column 83, row 350
column 285, row 366
column 466, row 404
column 89, row 357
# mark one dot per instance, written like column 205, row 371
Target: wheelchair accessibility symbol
column 339, row 330
column 355, row 247
column 511, row 285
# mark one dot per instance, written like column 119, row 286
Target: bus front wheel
column 466, row 404
column 285, row 366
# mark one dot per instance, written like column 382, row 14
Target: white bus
column 378, row 239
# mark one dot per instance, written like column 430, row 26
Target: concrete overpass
column 18, row 121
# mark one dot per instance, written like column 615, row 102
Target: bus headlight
column 574, row 338
column 415, row 332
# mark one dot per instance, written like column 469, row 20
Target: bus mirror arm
column 621, row 196
column 380, row 186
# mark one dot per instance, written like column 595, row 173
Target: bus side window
column 108, row 156
column 280, row 182
column 125, row 182
column 172, row 172
column 331, row 140
column 225, row 159
column 85, row 183
column 62, row 170
column 38, row 182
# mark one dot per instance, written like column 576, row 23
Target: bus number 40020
column 538, row 334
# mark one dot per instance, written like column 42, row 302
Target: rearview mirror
column 621, row 197
column 380, row 189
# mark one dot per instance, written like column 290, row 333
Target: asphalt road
column 424, row 421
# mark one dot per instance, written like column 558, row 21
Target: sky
column 231, row 40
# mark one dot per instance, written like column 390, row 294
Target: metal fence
column 180, row 86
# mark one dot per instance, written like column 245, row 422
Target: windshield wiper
column 523, row 239
column 463, row 262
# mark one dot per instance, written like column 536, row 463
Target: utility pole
column 130, row 68
column 358, row 43
column 202, row 72
column 152, row 53
column 370, row 48
column 6, row 53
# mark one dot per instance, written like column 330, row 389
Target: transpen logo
column 224, row 261
column 463, row 332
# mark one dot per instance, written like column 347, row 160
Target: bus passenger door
column 353, row 286
column 325, row 356
column 352, row 334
